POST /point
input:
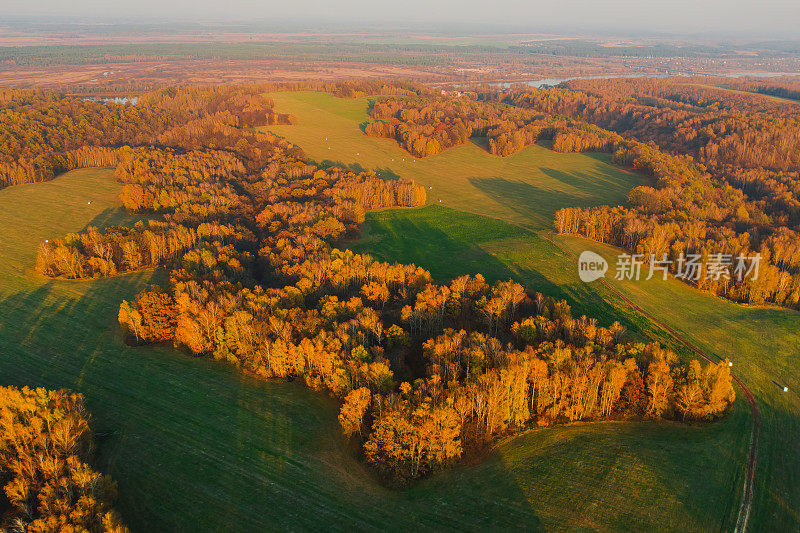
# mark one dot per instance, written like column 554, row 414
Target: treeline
column 682, row 116
column 43, row 133
column 114, row 250
column 383, row 338
column 48, row 485
column 425, row 370
column 780, row 87
column 197, row 191
column 427, row 126
column 694, row 213
column 353, row 88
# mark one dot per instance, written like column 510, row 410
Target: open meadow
column 526, row 188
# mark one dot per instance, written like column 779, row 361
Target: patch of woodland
column 729, row 187
column 45, row 448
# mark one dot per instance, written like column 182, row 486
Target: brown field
column 13, row 37
column 138, row 60
column 164, row 72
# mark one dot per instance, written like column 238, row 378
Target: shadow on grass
column 116, row 216
column 370, row 106
column 589, row 183
column 414, row 236
column 636, row 467
column 481, row 142
column 450, row 243
column 382, row 172
column 532, row 203
column 539, row 204
column 194, row 441
column 355, row 167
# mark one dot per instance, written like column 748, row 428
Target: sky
column 767, row 17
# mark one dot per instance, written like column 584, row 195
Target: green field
column 526, row 188
column 762, row 342
column 450, row 243
column 195, row 444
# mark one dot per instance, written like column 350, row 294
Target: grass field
column 762, row 342
column 450, row 243
column 196, row 445
column 526, row 188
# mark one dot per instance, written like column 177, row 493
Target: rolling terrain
column 525, row 189
column 763, row 342
column 193, row 441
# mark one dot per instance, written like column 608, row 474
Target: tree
column 351, row 415
column 689, row 398
column 659, row 387
column 44, row 447
column 131, row 319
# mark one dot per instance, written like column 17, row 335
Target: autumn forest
column 426, row 371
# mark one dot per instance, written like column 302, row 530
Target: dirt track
column 752, row 456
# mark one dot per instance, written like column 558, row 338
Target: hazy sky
column 763, row 16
